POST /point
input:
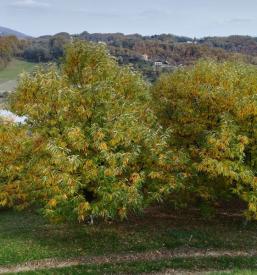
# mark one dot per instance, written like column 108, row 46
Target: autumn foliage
column 97, row 148
column 98, row 143
column 10, row 46
column 211, row 110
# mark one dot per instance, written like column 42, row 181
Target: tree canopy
column 100, row 142
column 97, row 148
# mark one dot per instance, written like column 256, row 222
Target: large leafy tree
column 211, row 109
column 96, row 146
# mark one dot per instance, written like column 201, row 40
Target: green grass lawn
column 14, row 68
column 27, row 236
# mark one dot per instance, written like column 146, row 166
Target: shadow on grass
column 27, row 236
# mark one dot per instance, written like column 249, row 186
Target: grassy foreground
column 14, row 68
column 239, row 265
column 27, row 236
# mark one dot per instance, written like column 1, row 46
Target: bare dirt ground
column 183, row 272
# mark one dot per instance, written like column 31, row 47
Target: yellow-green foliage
column 93, row 146
column 211, row 110
column 15, row 149
column 97, row 147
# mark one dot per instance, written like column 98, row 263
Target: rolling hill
column 6, row 31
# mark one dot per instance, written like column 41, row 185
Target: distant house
column 192, row 41
column 102, row 42
column 158, row 63
column 161, row 63
column 164, row 66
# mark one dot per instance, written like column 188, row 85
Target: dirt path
column 183, row 272
column 122, row 258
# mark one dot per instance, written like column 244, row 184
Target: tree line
column 130, row 49
column 10, row 46
column 142, row 51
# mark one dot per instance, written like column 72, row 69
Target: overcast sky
column 195, row 18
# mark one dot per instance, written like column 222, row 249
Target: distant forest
column 142, row 52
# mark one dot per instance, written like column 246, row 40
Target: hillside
column 6, row 32
column 135, row 48
column 144, row 52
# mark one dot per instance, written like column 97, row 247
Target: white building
column 158, row 63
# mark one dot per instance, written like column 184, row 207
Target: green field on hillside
column 14, row 68
column 9, row 77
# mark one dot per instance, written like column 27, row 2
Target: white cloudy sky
column 183, row 17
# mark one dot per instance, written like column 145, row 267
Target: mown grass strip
column 212, row 265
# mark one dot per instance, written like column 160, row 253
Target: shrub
column 98, row 149
column 211, row 110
